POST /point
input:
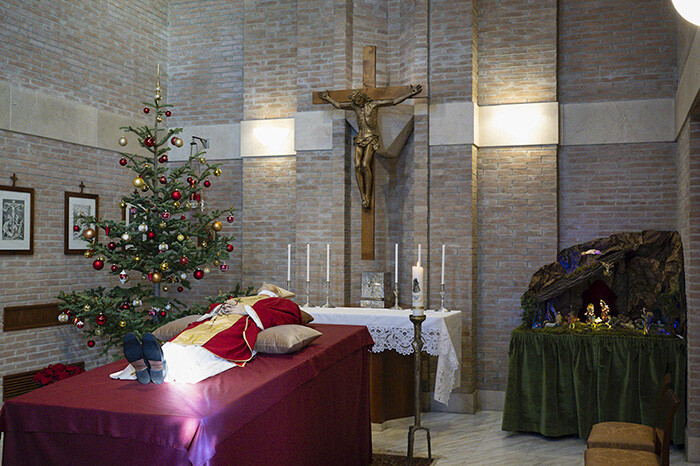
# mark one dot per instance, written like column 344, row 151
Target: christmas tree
column 167, row 237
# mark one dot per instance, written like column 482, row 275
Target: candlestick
column 289, row 263
column 308, row 277
column 308, row 292
column 328, row 295
column 396, row 295
column 417, row 345
column 328, row 262
column 442, row 298
column 442, row 274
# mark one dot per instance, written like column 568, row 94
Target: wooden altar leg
column 391, row 386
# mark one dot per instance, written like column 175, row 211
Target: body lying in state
column 223, row 338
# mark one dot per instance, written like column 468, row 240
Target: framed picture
column 128, row 213
column 77, row 204
column 16, row 220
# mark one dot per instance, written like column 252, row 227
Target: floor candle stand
column 289, row 285
column 417, row 347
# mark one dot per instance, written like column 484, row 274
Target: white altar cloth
column 392, row 329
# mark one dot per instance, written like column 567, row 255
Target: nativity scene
column 358, row 232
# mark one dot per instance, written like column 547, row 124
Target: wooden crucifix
column 365, row 103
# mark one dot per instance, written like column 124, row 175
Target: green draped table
column 562, row 384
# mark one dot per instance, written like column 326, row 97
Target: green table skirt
column 562, row 384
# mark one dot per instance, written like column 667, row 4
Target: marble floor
column 474, row 439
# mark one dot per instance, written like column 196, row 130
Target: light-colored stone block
column 23, row 111
column 5, row 104
column 458, row 403
column 618, row 122
column 451, row 123
column 491, row 400
column 224, row 142
column 108, row 131
column 693, row 449
column 688, row 85
column 313, row 130
column 531, row 124
column 267, row 137
column 64, row 120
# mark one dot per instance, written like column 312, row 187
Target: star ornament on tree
column 150, row 241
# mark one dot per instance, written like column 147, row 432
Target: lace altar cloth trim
column 400, row 339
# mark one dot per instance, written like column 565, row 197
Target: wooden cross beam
column 82, row 187
column 369, row 82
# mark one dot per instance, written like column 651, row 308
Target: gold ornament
column 206, row 270
column 89, row 233
column 126, row 237
column 144, row 277
column 137, row 258
column 180, row 237
column 122, row 323
column 122, row 204
column 156, row 277
column 99, row 332
column 163, row 224
column 138, row 182
column 164, row 266
column 202, row 160
column 157, row 96
column 188, row 205
column 88, row 254
column 159, row 118
column 216, row 263
column 176, row 204
column 217, row 172
column 144, row 188
column 217, row 226
column 165, row 288
column 86, row 308
column 178, row 142
column 123, row 141
column 204, row 244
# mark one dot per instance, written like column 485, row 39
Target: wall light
column 519, row 121
column 689, row 10
column 272, row 137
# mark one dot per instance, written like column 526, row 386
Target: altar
column 391, row 329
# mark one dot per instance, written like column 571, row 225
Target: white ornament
column 168, row 307
column 63, row 317
column 206, row 270
column 136, row 302
column 163, row 247
column 126, row 237
column 183, row 276
column 143, row 228
column 123, row 277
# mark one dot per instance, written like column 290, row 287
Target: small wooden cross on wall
column 379, row 96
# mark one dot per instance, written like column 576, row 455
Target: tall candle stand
column 308, row 293
column 328, row 294
column 396, row 296
column 289, row 285
column 442, row 298
column 417, row 347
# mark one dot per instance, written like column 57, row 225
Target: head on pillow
column 279, row 292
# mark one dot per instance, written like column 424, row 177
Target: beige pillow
column 284, row 339
column 306, row 317
column 171, row 329
column 279, row 291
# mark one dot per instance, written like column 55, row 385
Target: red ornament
column 146, row 110
column 165, row 215
column 123, row 161
column 111, row 246
column 163, row 158
column 76, row 228
column 107, row 230
column 149, row 141
column 80, row 324
column 163, row 180
column 198, row 197
column 125, row 306
column 173, row 140
column 168, row 113
column 229, row 219
column 223, row 267
column 101, row 319
column 76, row 320
column 184, row 260
column 91, row 343
column 176, row 195
column 150, row 235
column 163, row 313
column 182, row 217
column 207, row 183
column 98, row 264
column 229, row 247
column 180, row 289
column 198, row 274
column 114, row 267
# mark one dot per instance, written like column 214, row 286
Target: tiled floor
column 473, row 439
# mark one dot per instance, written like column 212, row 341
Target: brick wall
column 269, row 59
column 616, row 50
column 615, row 188
column 205, row 61
column 51, row 168
column 517, row 231
column 102, row 54
column 517, row 51
column 370, row 27
column 450, row 51
column 314, row 51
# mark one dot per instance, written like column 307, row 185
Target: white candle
column 289, row 262
column 328, row 262
column 417, row 289
column 419, row 255
column 442, row 274
column 396, row 262
column 307, row 262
